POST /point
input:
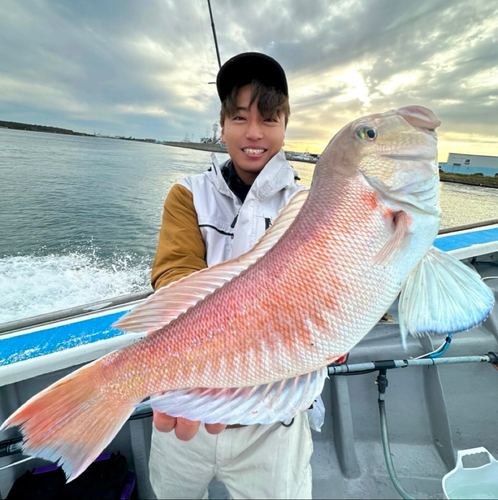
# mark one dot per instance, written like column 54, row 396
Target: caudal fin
column 71, row 421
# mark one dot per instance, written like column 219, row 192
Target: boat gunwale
column 464, row 227
column 70, row 313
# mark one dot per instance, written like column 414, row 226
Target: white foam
column 32, row 285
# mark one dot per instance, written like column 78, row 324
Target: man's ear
column 222, row 134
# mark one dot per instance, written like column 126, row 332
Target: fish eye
column 366, row 132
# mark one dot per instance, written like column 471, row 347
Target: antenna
column 214, row 34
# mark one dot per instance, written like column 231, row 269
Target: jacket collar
column 278, row 174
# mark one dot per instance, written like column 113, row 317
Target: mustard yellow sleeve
column 181, row 249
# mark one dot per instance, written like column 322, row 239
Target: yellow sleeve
column 181, row 249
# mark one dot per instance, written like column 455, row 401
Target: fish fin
column 402, row 329
column 442, row 295
column 169, row 302
column 70, row 422
column 401, row 222
column 262, row 404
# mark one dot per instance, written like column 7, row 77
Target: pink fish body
column 258, row 331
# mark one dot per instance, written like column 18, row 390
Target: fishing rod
column 214, row 34
column 372, row 366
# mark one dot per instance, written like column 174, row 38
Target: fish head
column 396, row 153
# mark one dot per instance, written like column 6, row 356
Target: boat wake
column 32, row 285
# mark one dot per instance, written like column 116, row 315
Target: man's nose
column 254, row 130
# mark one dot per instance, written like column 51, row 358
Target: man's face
column 251, row 140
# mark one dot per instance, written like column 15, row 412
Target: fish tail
column 71, row 421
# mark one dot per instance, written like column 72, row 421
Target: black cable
column 362, row 372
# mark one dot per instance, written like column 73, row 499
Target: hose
column 387, row 450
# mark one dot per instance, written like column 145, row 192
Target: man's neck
column 246, row 177
column 234, row 182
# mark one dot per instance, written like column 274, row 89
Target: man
column 207, row 219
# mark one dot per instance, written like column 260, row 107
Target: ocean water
column 80, row 216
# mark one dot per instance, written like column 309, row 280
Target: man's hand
column 185, row 429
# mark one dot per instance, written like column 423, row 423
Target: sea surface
column 80, row 216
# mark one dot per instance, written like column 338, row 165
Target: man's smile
column 253, row 151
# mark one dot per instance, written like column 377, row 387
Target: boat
column 416, row 408
column 207, row 143
column 306, row 157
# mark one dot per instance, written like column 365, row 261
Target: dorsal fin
column 171, row 301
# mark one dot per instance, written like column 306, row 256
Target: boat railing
column 73, row 312
column 473, row 225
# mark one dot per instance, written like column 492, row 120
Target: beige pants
column 258, row 461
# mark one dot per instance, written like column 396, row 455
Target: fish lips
column 420, row 117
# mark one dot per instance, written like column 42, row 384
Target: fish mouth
column 420, row 117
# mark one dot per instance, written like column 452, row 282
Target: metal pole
column 214, row 34
column 403, row 363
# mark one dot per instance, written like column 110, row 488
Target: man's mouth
column 252, row 151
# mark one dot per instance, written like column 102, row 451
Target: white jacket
column 228, row 226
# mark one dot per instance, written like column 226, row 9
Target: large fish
column 248, row 341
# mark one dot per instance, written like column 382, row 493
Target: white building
column 471, row 164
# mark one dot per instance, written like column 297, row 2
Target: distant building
column 471, row 164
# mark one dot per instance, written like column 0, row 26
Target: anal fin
column 263, row 404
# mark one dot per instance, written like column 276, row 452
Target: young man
column 207, row 219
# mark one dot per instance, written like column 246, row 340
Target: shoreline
column 470, row 180
column 200, row 146
column 40, row 128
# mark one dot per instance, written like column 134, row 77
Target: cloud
column 143, row 68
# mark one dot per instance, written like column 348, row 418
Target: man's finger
column 163, row 422
column 215, row 428
column 185, row 429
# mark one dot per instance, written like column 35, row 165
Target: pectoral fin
column 262, row 404
column 401, row 224
column 441, row 296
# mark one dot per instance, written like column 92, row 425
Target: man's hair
column 271, row 101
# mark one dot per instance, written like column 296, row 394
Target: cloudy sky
column 143, row 67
